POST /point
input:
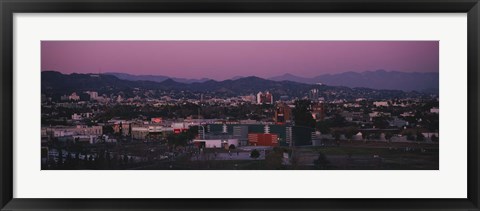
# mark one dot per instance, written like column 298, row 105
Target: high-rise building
column 259, row 97
column 266, row 98
column 74, row 96
column 318, row 111
column 282, row 113
column 93, row 95
column 313, row 94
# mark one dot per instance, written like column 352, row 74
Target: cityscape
column 283, row 105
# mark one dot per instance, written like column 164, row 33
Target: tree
column 171, row 139
column 274, row 160
column 77, row 160
column 321, row 162
column 336, row 135
column 182, row 139
column 410, row 137
column 68, row 162
column 434, row 138
column 192, row 132
column 121, row 129
column 323, row 127
column 125, row 159
column 100, row 159
column 60, row 158
column 338, row 121
column 420, row 136
column 374, row 136
column 381, row 122
column 350, row 132
column 89, row 161
column 108, row 157
column 388, row 136
column 365, row 135
column 302, row 115
column 179, row 139
column 130, row 129
column 254, row 154
column 108, row 129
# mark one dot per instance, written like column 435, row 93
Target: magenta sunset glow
column 225, row 59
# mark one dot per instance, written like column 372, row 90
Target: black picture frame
column 9, row 7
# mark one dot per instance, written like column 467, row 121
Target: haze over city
column 220, row 60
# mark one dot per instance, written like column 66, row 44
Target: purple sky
column 225, row 59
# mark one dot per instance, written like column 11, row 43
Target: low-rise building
column 56, row 132
column 380, row 103
column 262, row 139
column 216, row 143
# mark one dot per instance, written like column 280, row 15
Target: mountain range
column 380, row 79
column 156, row 78
column 57, row 84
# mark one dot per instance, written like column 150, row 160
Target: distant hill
column 380, row 79
column 57, row 84
column 155, row 78
column 294, row 78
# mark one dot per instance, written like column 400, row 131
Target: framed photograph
column 242, row 105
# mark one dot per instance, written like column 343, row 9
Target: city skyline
column 211, row 59
column 164, row 113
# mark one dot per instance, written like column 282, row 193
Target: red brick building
column 282, row 114
column 262, row 139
